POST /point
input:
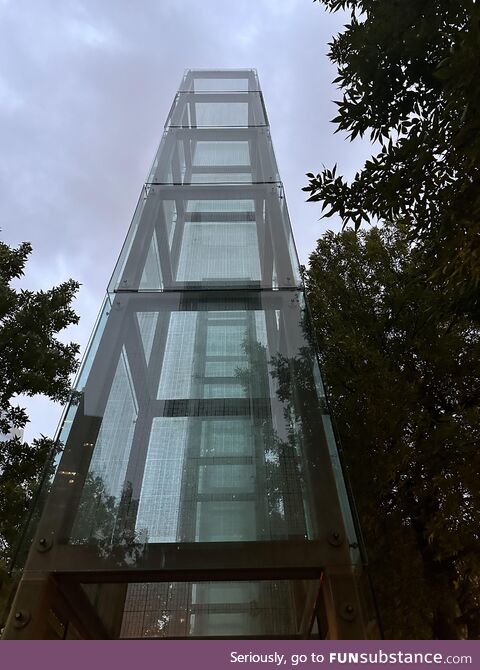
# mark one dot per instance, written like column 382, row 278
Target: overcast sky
column 85, row 88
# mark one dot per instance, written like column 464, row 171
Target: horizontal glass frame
column 203, row 237
column 201, row 421
column 153, row 610
column 214, row 156
column 217, row 110
column 220, row 80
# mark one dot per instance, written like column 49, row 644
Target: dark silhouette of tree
column 286, row 456
column 254, row 379
column 32, row 361
column 404, row 379
column 107, row 523
column 408, row 75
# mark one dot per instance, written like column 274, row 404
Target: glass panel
column 170, row 217
column 217, row 110
column 225, row 521
column 203, row 423
column 159, row 504
column 202, row 84
column 177, row 374
column 91, row 350
column 106, row 475
column 192, row 238
column 147, row 322
column 209, row 609
column 220, row 156
column 219, row 478
column 51, row 468
column 219, row 251
column 151, row 275
column 215, row 153
column 221, row 114
column 220, row 80
column 199, row 207
column 221, row 178
column 132, row 235
column 115, row 436
column 226, row 437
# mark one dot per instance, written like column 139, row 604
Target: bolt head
column 21, row 618
column 335, row 538
column 347, row 611
column 44, row 543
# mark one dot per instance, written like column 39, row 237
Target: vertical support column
column 344, row 610
column 29, row 614
column 46, row 608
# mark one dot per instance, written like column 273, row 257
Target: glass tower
column 199, row 492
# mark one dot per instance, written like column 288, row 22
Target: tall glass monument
column 199, row 492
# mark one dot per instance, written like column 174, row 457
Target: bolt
column 347, row 612
column 335, row 538
column 21, row 618
column 44, row 544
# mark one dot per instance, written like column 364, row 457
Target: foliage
column 21, row 467
column 108, row 523
column 405, row 385
column 31, row 358
column 408, row 72
column 32, row 361
column 280, row 455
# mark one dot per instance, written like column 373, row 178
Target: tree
column 32, row 361
column 404, row 383
column 408, row 71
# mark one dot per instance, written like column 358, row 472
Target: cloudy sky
column 85, row 88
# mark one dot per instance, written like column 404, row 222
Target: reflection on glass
column 217, row 609
column 106, row 476
column 216, row 439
